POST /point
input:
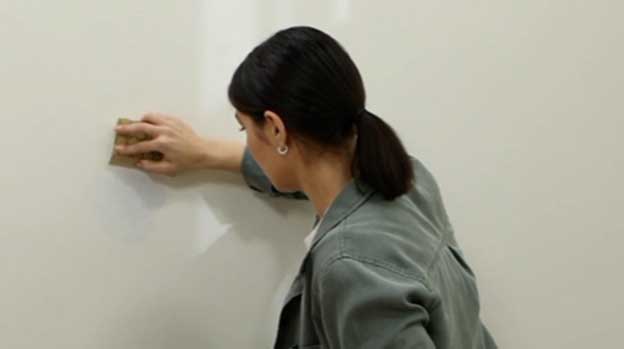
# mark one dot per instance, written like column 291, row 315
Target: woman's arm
column 221, row 154
column 183, row 150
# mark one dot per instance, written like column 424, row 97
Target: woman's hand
column 182, row 148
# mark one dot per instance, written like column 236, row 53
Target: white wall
column 512, row 105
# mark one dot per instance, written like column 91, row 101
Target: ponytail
column 381, row 160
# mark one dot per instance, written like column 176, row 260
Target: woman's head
column 300, row 89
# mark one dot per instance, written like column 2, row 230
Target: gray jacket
column 380, row 274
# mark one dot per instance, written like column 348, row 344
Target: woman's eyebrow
column 237, row 119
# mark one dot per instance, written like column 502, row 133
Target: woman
column 383, row 268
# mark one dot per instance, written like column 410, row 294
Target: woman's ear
column 275, row 130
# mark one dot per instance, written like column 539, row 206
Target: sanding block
column 131, row 160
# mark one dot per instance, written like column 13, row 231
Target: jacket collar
column 354, row 195
column 350, row 198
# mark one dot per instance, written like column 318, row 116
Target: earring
column 282, row 150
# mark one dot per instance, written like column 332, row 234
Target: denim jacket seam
column 378, row 263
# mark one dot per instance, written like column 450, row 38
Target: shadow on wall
column 223, row 297
column 226, row 295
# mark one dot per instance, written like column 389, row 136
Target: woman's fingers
column 140, row 148
column 138, row 128
column 159, row 167
column 179, row 147
column 156, row 119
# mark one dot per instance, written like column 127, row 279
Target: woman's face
column 263, row 142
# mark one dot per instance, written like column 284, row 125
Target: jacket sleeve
column 367, row 305
column 258, row 181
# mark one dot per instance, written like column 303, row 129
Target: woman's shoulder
column 383, row 234
column 404, row 234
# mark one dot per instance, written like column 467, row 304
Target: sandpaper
column 131, row 160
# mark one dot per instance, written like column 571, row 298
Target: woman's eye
column 242, row 128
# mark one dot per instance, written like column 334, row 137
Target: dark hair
column 307, row 78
